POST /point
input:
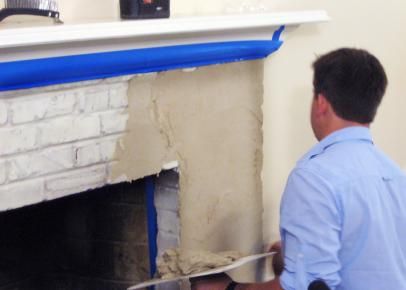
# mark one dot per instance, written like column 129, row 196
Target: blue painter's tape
column 57, row 70
column 152, row 224
column 277, row 34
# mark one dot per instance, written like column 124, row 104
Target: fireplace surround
column 82, row 107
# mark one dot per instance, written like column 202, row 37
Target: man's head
column 352, row 82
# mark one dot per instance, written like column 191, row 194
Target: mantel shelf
column 177, row 27
column 75, row 52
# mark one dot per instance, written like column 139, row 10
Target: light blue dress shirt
column 343, row 217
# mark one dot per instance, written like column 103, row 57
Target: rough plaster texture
column 210, row 121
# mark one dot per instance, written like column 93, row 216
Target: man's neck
column 335, row 126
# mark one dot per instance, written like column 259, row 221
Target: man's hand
column 277, row 261
column 271, row 285
column 221, row 281
column 214, row 282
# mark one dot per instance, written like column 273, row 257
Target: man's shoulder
column 345, row 163
column 328, row 166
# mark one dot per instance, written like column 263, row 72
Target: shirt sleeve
column 310, row 232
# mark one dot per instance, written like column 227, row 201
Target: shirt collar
column 346, row 134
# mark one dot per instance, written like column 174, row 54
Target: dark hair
column 353, row 81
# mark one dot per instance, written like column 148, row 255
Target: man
column 343, row 212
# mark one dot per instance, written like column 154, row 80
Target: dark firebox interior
column 95, row 240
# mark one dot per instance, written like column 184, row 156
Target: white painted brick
column 75, row 181
column 40, row 163
column 67, row 87
column 166, row 241
column 120, row 79
column 94, row 99
column 3, row 172
column 17, row 139
column 118, row 97
column 41, row 106
column 20, row 194
column 66, row 129
column 113, row 122
column 88, row 154
column 166, row 198
column 92, row 152
column 3, row 112
column 168, row 221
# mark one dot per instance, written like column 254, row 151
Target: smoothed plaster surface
column 210, row 121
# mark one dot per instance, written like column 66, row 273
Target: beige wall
column 372, row 24
column 79, row 10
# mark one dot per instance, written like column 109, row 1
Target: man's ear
column 322, row 105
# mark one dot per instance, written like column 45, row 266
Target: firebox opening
column 94, row 240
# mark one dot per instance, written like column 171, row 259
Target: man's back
column 343, row 217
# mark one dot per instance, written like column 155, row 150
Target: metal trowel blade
column 262, row 272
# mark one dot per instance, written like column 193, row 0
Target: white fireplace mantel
column 47, row 55
column 181, row 30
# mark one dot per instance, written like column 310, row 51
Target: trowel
column 263, row 271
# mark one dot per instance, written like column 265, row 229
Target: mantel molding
column 47, row 55
column 98, row 37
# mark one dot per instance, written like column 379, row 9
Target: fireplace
column 90, row 106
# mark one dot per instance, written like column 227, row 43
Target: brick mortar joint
column 38, row 178
column 77, row 94
column 76, row 113
column 95, row 167
column 69, row 87
column 61, row 173
column 36, row 149
column 96, row 114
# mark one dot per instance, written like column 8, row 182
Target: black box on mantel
column 144, row 9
